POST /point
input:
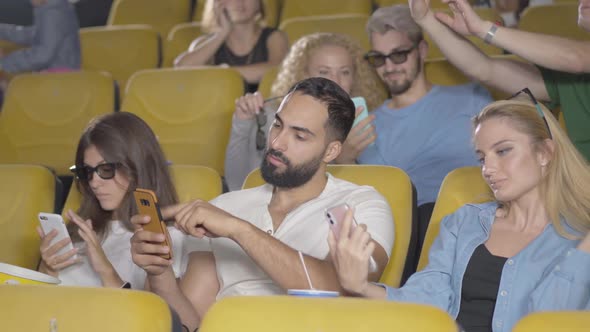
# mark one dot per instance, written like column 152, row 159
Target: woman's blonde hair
column 209, row 22
column 564, row 187
column 294, row 67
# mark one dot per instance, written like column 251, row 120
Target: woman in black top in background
column 238, row 38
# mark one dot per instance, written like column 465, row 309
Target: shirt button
column 510, row 262
column 269, row 231
column 557, row 268
column 503, row 293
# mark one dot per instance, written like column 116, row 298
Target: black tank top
column 480, row 290
column 258, row 54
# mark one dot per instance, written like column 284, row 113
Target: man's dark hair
column 340, row 107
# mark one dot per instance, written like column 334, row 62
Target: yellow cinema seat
column 556, row 321
column 26, row 190
column 352, row 25
column 557, row 19
column 304, row 8
column 188, row 111
column 44, row 114
column 296, row 314
column 75, row 309
column 178, row 41
column 120, row 50
column 391, row 182
column 161, row 15
column 461, row 186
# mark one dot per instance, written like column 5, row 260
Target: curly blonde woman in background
column 329, row 55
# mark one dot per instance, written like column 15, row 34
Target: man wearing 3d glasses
column 424, row 129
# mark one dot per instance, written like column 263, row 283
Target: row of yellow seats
column 34, row 308
column 30, row 189
column 43, row 115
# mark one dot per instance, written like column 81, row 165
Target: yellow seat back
column 296, row 314
column 391, row 182
column 190, row 181
column 461, row 186
column 271, row 11
column 120, row 50
column 558, row 321
column 557, row 19
column 352, row 25
column 26, row 190
column 74, row 309
column 44, row 114
column 188, row 110
column 161, row 15
column 178, row 41
column 303, row 8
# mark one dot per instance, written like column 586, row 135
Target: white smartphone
column 51, row 221
column 335, row 216
column 360, row 101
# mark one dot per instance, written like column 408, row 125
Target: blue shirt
column 52, row 42
column 548, row 274
column 429, row 138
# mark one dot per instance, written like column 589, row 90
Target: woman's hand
column 350, row 254
column 358, row 139
column 96, row 256
column 51, row 262
column 248, row 105
column 224, row 23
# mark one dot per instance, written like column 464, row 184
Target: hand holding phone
column 147, row 204
column 335, row 216
column 51, row 221
column 360, row 101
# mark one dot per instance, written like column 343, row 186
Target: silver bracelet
column 488, row 38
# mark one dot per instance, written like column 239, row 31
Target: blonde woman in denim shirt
column 494, row 263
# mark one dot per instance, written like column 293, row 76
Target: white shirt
column 117, row 248
column 304, row 229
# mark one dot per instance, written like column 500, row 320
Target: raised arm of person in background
column 503, row 74
column 548, row 51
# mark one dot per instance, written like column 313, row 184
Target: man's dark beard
column 293, row 176
column 399, row 89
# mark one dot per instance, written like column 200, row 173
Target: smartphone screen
column 147, row 204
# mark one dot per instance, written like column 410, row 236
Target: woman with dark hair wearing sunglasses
column 116, row 154
column 527, row 251
column 329, row 55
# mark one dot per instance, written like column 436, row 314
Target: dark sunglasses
column 260, row 123
column 528, row 92
column 105, row 171
column 377, row 59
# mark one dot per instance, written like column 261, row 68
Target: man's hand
column 201, row 218
column 358, row 139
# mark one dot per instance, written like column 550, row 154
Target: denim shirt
column 53, row 41
column 548, row 274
